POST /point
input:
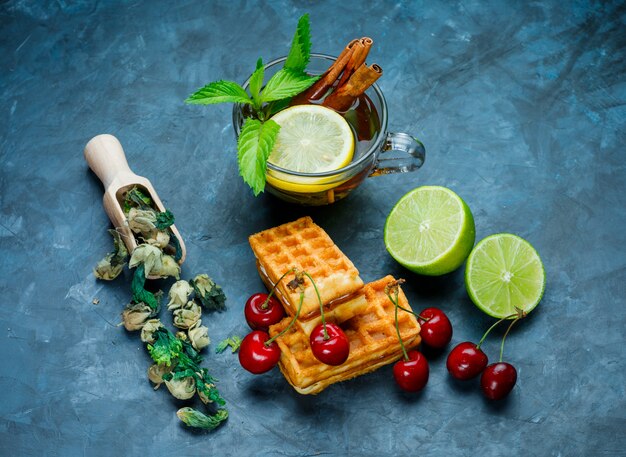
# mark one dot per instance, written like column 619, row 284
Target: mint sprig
column 258, row 135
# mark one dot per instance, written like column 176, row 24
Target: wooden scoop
column 107, row 160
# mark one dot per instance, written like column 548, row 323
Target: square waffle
column 304, row 245
column 367, row 320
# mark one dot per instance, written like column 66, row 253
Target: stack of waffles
column 363, row 311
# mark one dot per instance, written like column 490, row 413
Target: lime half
column 503, row 272
column 430, row 231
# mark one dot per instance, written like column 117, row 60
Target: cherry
column 256, row 356
column 331, row 348
column 436, row 328
column 412, row 374
column 466, row 361
column 498, row 380
column 262, row 312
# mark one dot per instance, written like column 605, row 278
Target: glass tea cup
column 377, row 151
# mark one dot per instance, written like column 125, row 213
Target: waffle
column 367, row 320
column 304, row 245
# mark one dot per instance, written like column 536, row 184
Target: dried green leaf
column 196, row 419
column 140, row 294
column 164, row 219
column 233, row 341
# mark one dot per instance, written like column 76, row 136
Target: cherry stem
column 271, row 340
column 419, row 316
column 396, row 306
column 319, row 299
column 492, row 327
column 267, row 300
column 505, row 334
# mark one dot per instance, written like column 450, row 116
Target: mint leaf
column 286, row 83
column 255, row 144
column 256, row 82
column 219, row 92
column 298, row 57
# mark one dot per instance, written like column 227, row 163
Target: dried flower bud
column 188, row 315
column 169, row 267
column 142, row 221
column 147, row 332
column 210, row 294
column 199, row 336
column 156, row 372
column 150, row 256
column 179, row 294
column 183, row 389
column 159, row 239
column 112, row 265
column 106, row 270
column 135, row 316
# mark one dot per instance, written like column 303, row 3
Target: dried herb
column 135, row 315
column 164, row 219
column 233, row 341
column 211, row 295
column 140, row 294
column 179, row 294
column 136, row 199
column 196, row 419
column 113, row 263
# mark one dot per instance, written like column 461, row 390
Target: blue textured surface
column 522, row 108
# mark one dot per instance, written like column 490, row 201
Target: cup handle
column 410, row 155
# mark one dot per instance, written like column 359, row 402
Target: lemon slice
column 312, row 139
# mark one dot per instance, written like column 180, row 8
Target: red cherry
column 498, row 380
column 255, row 356
column 436, row 328
column 260, row 318
column 466, row 361
column 331, row 351
column 411, row 375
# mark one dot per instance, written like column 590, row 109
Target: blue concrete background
column 522, row 108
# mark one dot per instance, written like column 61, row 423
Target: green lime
column 503, row 272
column 430, row 231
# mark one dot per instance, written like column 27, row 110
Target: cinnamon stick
column 359, row 54
column 342, row 98
column 319, row 89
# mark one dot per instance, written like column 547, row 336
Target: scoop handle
column 107, row 160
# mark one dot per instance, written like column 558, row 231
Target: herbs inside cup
column 259, row 133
